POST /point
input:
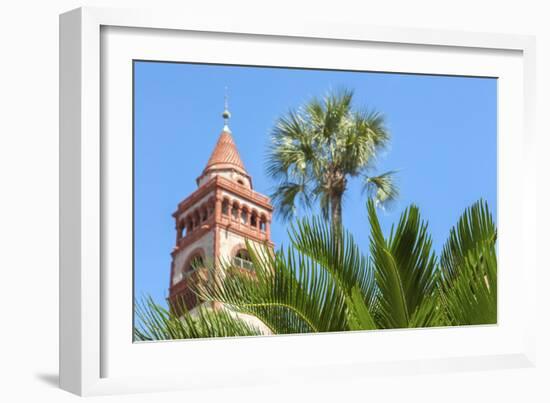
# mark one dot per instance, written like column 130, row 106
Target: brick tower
column 214, row 221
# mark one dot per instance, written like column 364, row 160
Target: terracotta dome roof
column 225, row 155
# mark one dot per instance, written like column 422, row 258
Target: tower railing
column 243, row 263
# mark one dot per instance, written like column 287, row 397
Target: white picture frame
column 90, row 340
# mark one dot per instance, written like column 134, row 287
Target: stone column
column 196, row 219
column 257, row 221
column 239, row 212
column 218, row 208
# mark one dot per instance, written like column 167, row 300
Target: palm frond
column 338, row 254
column 315, row 111
column 337, row 107
column 381, row 188
column 286, row 291
column 155, row 322
column 363, row 135
column 288, row 196
column 470, row 298
column 322, row 282
column 406, row 271
column 359, row 314
column 469, row 269
column 291, row 147
column 371, row 124
column 475, row 226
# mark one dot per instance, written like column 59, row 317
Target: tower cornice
column 219, row 182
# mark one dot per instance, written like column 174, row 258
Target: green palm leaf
column 158, row 323
column 359, row 315
column 338, row 254
column 322, row 282
column 341, row 258
column 381, row 188
column 469, row 269
column 475, row 226
column 405, row 268
column 286, row 291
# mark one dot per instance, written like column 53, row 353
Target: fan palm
column 322, row 282
column 317, row 148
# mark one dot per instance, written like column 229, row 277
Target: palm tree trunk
column 336, row 212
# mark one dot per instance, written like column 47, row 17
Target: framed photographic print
column 251, row 198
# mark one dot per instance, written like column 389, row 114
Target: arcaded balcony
column 245, row 218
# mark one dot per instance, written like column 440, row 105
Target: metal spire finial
column 226, row 114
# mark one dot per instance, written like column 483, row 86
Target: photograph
column 270, row 200
column 279, row 202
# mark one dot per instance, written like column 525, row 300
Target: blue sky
column 444, row 144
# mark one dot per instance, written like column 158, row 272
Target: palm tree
column 317, row 148
column 322, row 284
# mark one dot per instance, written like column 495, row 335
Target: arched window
column 242, row 259
column 244, row 216
column 196, row 262
column 262, row 224
column 225, row 207
column 240, row 182
column 182, row 229
column 203, row 214
column 254, row 220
